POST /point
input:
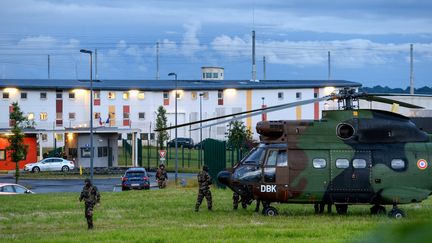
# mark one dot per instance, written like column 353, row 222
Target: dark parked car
column 181, row 142
column 135, row 178
column 198, row 145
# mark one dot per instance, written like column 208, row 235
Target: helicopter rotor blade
column 373, row 97
column 244, row 114
column 271, row 109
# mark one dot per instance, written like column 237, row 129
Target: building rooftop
column 161, row 85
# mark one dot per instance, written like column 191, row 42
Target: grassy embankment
column 168, row 216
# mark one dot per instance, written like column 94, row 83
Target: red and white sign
column 162, row 154
column 422, row 164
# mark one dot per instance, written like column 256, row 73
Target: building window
column 111, row 95
column 30, row 116
column 208, row 75
column 23, row 95
column 280, row 95
column 165, row 95
column 102, row 151
column 215, row 75
column 315, row 95
column 342, row 163
column 43, row 116
column 203, row 75
column 44, row 137
column 298, row 95
column 220, row 97
column 96, row 94
column 206, row 95
column 141, row 115
column 5, row 95
column 125, row 95
column 85, row 152
column 43, row 95
column 71, row 95
column 220, row 94
column 166, row 98
column 59, row 116
column 141, row 95
column 59, row 137
column 194, row 95
column 71, row 115
column 2, row 154
column 125, row 115
column 59, row 95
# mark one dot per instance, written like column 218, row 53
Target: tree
column 239, row 137
column 161, row 122
column 17, row 149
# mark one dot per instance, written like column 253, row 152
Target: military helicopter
column 350, row 156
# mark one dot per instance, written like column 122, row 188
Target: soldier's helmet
column 87, row 181
column 205, row 168
column 161, row 166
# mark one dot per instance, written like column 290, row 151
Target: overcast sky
column 369, row 40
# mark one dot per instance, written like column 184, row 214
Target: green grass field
column 168, row 216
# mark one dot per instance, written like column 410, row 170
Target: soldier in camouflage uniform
column 161, row 176
column 91, row 196
column 204, row 181
column 236, row 200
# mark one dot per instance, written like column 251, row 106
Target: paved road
column 75, row 185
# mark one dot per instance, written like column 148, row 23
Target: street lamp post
column 201, row 141
column 91, row 112
column 175, row 131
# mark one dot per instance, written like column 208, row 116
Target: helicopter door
column 350, row 172
column 275, row 176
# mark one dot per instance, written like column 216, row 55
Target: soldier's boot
column 89, row 223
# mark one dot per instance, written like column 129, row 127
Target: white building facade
column 56, row 105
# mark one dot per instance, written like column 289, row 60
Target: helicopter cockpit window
column 342, row 163
column 256, row 156
column 319, row 163
column 397, row 164
column 272, row 158
column 359, row 163
column 282, row 159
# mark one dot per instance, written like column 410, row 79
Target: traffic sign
column 162, row 154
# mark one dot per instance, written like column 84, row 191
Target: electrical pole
column 329, row 66
column 411, row 69
column 157, row 60
column 49, row 68
column 264, row 68
column 253, row 57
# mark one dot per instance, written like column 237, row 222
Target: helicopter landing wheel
column 341, row 208
column 378, row 210
column 396, row 213
column 270, row 211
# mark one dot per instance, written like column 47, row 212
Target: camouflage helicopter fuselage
column 347, row 157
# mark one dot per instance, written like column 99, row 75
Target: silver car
column 50, row 164
column 12, row 189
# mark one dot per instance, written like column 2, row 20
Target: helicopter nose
column 224, row 177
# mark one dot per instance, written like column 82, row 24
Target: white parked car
column 50, row 164
column 11, row 189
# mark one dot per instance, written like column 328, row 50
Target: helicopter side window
column 282, row 159
column 359, row 163
column 342, row 163
column 272, row 158
column 398, row 164
column 319, row 163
